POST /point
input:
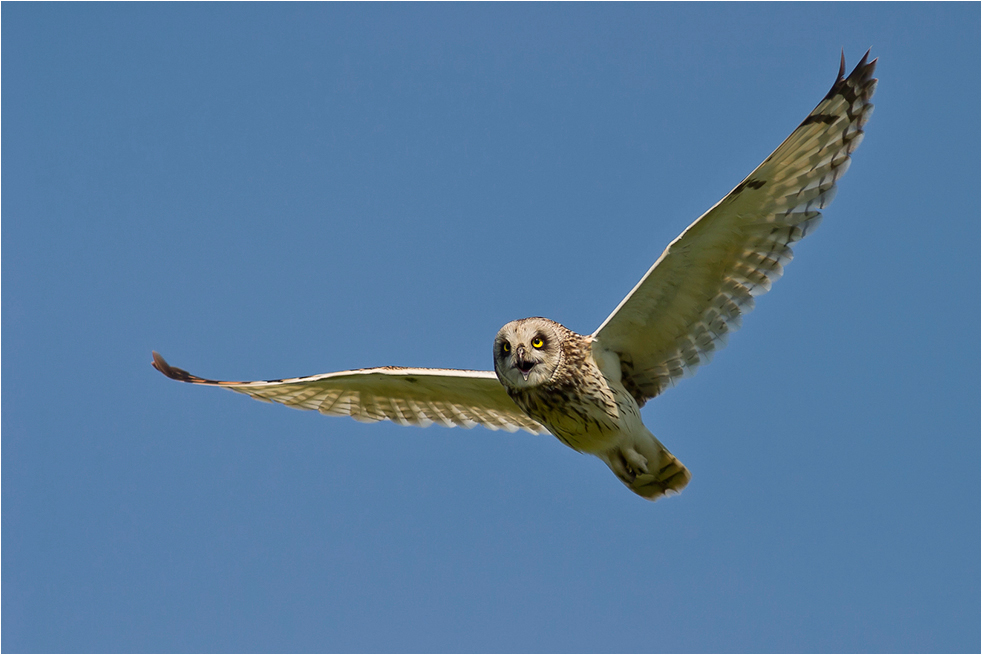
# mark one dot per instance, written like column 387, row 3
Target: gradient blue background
column 276, row 190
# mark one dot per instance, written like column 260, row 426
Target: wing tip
column 161, row 365
column 861, row 78
column 173, row 372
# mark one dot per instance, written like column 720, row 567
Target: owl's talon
column 636, row 462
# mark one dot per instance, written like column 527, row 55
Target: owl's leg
column 627, row 463
column 651, row 474
column 635, row 461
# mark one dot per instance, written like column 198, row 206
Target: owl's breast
column 586, row 413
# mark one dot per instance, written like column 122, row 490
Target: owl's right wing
column 695, row 293
column 408, row 396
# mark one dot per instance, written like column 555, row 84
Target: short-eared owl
column 587, row 390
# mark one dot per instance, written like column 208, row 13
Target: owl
column 587, row 391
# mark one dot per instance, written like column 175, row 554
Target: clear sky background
column 263, row 191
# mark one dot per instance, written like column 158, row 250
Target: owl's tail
column 647, row 468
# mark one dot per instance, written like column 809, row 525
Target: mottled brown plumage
column 573, row 388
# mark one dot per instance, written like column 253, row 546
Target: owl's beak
column 523, row 365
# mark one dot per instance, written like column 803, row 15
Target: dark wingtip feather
column 865, row 67
column 859, row 78
column 173, row 373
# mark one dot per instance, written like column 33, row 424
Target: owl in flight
column 588, row 390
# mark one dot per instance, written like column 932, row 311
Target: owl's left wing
column 408, row 396
column 696, row 292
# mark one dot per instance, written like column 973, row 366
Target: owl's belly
column 589, row 422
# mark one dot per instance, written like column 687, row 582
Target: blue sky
column 263, row 191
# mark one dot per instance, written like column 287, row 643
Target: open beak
column 523, row 365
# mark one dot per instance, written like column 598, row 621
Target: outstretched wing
column 408, row 396
column 695, row 293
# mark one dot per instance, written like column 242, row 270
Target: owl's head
column 528, row 352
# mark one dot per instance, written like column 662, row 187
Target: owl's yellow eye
column 537, row 342
column 506, row 347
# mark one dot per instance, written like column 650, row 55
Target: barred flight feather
column 692, row 298
column 408, row 396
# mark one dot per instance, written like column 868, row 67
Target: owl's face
column 527, row 352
